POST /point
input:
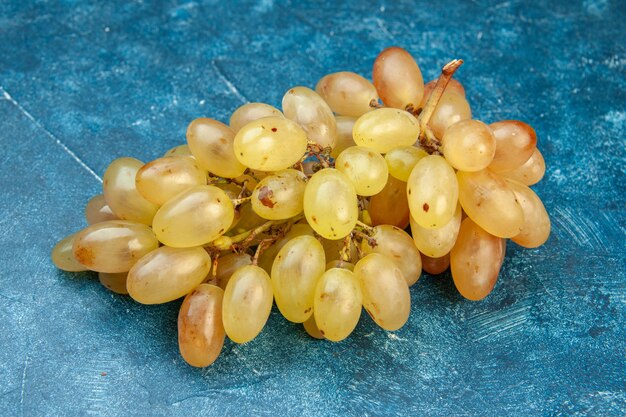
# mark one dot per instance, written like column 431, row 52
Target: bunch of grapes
column 308, row 207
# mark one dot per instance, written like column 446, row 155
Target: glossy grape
column 280, row 196
column 436, row 243
column 536, row 228
column 365, row 167
column 338, row 303
column 402, row 160
column 347, row 93
column 469, row 145
column 97, row 210
column 305, row 107
column 211, row 142
column 63, row 255
column 386, row 128
column 516, row 143
column 163, row 178
column 531, row 172
column 398, row 78
column 390, row 206
column 250, row 112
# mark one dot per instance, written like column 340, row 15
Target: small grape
column 365, row 167
column 305, row 107
column 250, row 112
column 211, row 142
column 97, row 210
column 280, row 196
column 63, row 255
column 386, row 128
column 338, row 303
column 347, row 93
column 398, row 78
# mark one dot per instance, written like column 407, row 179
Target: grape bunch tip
column 334, row 204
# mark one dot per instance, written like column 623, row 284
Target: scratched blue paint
column 85, row 82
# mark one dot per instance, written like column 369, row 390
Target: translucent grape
column 115, row 282
column 194, row 217
column 121, row 194
column 516, row 142
column 386, row 128
column 398, row 246
column 337, row 305
column 347, row 93
column 398, row 78
column 311, row 328
column 250, row 112
column 531, row 172
column 227, row 265
column 475, row 261
column 366, row 169
column 435, row 266
column 490, row 202
column 211, row 142
column 270, row 144
column 200, row 328
column 305, row 107
column 167, row 274
column 163, row 178
column 432, row 192
column 266, row 260
column 402, row 160
column 453, row 87
column 536, row 227
column 452, row 108
column 386, row 295
column 469, row 145
column 330, row 204
column 279, row 196
column 247, row 303
column 97, row 211
column 180, row 150
column 295, row 273
column 113, row 246
column 390, row 206
column 344, row 134
column 63, row 255
column 435, row 243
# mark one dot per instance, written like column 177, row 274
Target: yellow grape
column 200, row 329
column 270, row 144
column 115, row 282
column 531, row 172
column 452, row 108
column 435, row 243
column 435, row 266
column 227, row 264
column 247, row 303
column 344, row 134
column 337, row 305
column 347, row 93
column 338, row 263
column 469, row 145
column 398, row 246
column 386, row 128
column 432, row 192
column 180, row 150
column 390, row 206
column 490, row 202
column 194, row 217
column 402, row 160
column 250, row 112
column 97, row 211
column 121, row 194
column 366, row 169
column 386, row 295
column 305, row 107
column 475, row 261
column 516, row 142
column 536, row 227
column 266, row 259
column 63, row 255
column 295, row 272
column 280, row 196
column 113, row 246
column 330, row 204
column 167, row 274
column 311, row 328
column 163, row 178
column 398, row 78
column 211, row 142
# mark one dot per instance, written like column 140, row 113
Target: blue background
column 82, row 84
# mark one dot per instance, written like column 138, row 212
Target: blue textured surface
column 83, row 84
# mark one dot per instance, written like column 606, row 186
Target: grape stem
column 344, row 253
column 322, row 154
column 364, row 226
column 239, row 201
column 263, row 244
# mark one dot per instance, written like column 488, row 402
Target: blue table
column 82, row 84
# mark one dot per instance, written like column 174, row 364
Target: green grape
column 311, row 328
column 398, row 78
column 402, row 160
column 113, row 246
column 337, row 305
column 247, row 303
column 180, row 150
column 211, row 143
column 390, row 206
column 432, row 192
column 200, row 329
column 194, row 217
column 490, row 202
column 295, row 272
column 435, row 243
column 475, row 261
column 266, row 259
column 63, row 255
column 115, row 282
column 167, row 273
column 515, row 144
column 452, row 108
column 386, row 295
column 279, row 196
column 436, row 266
column 398, row 246
column 250, row 112
column 386, row 128
column 536, row 228
column 330, row 204
column 366, row 169
column 270, row 144
column 344, row 134
column 305, row 107
column 531, row 172
column 469, row 145
column 347, row 93
column 163, row 178
column 121, row 194
column 97, row 211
